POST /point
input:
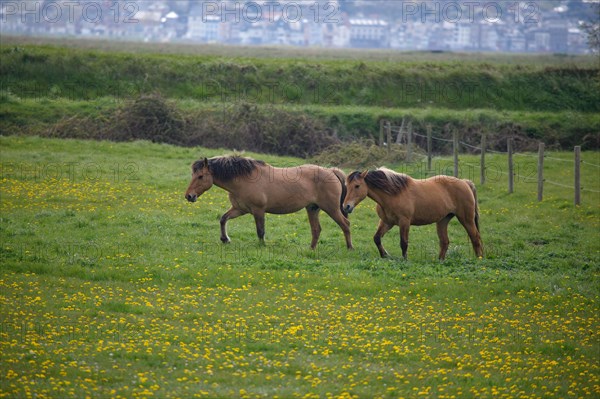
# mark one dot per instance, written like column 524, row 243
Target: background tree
column 592, row 28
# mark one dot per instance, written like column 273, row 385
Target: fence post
column 400, row 132
column 511, row 175
column 409, row 133
column 540, row 173
column 388, row 129
column 577, row 175
column 381, row 127
column 482, row 171
column 455, row 150
column 428, row 147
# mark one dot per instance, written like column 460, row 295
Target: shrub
column 360, row 155
column 148, row 117
column 240, row 126
column 261, row 129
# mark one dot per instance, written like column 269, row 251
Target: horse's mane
column 229, row 167
column 384, row 179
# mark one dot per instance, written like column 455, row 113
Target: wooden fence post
column 409, row 133
column 388, row 129
column 455, row 150
column 401, row 131
column 511, row 175
column 540, row 173
column 429, row 147
column 381, row 127
column 577, row 175
column 482, row 171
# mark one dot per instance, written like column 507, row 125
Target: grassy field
column 74, row 88
column 113, row 286
column 304, row 53
column 552, row 84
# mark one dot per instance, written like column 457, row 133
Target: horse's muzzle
column 191, row 197
column 348, row 208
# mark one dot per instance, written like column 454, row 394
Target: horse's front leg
column 232, row 213
column 382, row 228
column 337, row 215
column 259, row 219
column 315, row 226
column 404, row 229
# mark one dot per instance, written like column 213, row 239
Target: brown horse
column 404, row 201
column 256, row 187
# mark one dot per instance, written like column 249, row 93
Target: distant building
column 538, row 41
column 338, row 35
column 460, row 37
column 204, row 28
column 367, row 33
column 302, row 23
column 485, row 37
column 437, row 38
column 314, row 32
column 252, row 34
column 559, row 31
column 514, row 41
column 408, row 36
column 282, row 32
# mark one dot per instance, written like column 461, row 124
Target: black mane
column 385, row 180
column 229, row 167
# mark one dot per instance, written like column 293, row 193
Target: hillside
column 82, row 74
column 54, row 90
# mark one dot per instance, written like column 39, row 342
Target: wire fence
column 405, row 134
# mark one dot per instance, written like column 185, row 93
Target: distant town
column 502, row 26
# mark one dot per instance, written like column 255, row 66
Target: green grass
column 112, row 285
column 61, row 117
column 447, row 81
column 268, row 52
column 81, row 89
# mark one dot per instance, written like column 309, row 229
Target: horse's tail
column 474, row 191
column 342, row 178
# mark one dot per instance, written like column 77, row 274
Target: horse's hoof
column 225, row 240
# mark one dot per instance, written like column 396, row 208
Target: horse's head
column 202, row 180
column 356, row 190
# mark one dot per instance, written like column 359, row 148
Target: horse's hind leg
column 259, row 219
column 232, row 213
column 442, row 231
column 382, row 228
column 315, row 226
column 404, row 229
column 474, row 235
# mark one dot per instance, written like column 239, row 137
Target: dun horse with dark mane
column 258, row 188
column 404, row 201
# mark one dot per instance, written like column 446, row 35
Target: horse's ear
column 364, row 174
column 205, row 165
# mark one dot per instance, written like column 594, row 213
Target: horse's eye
column 357, row 186
column 200, row 177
